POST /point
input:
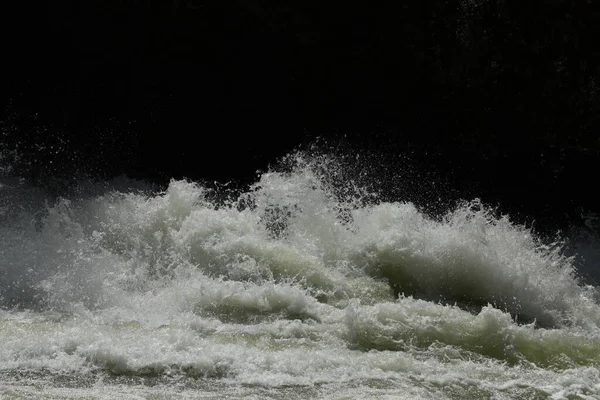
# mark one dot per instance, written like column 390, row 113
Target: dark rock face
column 497, row 99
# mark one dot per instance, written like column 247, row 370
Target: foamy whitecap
column 301, row 282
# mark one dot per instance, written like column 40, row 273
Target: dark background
column 497, row 99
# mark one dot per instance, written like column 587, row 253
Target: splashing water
column 305, row 285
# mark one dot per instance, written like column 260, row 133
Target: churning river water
column 292, row 289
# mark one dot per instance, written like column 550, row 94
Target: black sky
column 492, row 98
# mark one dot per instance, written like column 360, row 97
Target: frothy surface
column 304, row 286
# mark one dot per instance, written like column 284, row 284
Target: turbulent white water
column 298, row 288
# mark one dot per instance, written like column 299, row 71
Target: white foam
column 291, row 285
